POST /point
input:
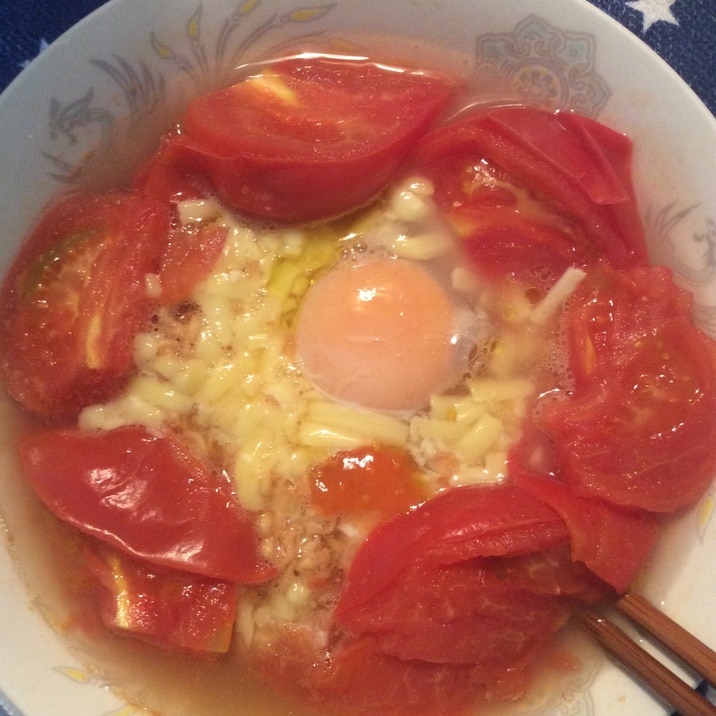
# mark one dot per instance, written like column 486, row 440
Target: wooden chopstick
column 673, row 636
column 663, row 682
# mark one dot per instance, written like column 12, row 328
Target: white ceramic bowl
column 112, row 82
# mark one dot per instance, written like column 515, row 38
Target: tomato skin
column 74, row 298
column 639, row 429
column 579, row 166
column 311, row 138
column 171, row 609
column 146, row 495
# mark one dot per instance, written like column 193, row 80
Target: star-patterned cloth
column 654, row 11
column 683, row 32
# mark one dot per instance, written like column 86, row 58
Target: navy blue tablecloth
column 683, row 32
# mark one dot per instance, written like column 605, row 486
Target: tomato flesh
column 447, row 596
column 148, row 496
column 612, row 542
column 462, row 619
column 164, row 177
column 360, row 679
column 506, row 245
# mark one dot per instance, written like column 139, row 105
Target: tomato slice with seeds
column 305, row 139
column 75, row 297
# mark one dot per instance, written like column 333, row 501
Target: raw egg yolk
column 377, row 334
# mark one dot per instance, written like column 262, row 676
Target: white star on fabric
column 654, row 11
column 44, row 44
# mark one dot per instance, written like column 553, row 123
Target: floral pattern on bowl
column 197, row 60
column 544, row 66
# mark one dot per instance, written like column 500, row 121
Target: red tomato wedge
column 189, row 258
column 576, row 165
column 477, row 575
column 640, row 427
column 148, row 496
column 172, row 609
column 304, row 139
column 75, row 297
column 454, row 526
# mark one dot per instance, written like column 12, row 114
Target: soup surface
column 351, row 400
